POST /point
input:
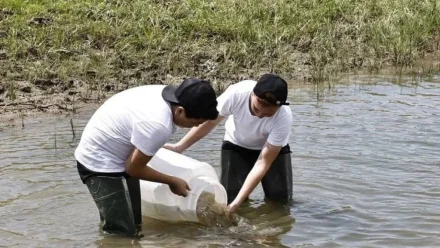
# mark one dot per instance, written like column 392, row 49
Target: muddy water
column 366, row 163
column 210, row 213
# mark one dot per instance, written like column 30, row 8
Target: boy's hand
column 179, row 187
column 232, row 209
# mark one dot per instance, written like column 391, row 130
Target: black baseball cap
column 273, row 84
column 196, row 96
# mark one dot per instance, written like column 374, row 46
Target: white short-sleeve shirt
column 138, row 117
column 246, row 130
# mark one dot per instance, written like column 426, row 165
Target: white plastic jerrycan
column 160, row 203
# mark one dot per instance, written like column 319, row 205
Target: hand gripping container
column 160, row 203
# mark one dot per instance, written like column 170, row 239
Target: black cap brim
column 169, row 94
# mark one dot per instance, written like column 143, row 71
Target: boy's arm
column 267, row 156
column 136, row 166
column 194, row 135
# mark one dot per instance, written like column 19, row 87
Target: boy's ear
column 180, row 110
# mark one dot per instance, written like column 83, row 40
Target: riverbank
column 56, row 56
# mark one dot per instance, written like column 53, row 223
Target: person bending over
column 124, row 134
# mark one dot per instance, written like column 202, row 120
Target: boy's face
column 261, row 108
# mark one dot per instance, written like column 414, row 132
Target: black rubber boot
column 234, row 172
column 277, row 183
column 112, row 197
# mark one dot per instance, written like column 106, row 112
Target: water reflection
column 365, row 163
column 108, row 241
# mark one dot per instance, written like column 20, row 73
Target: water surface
column 366, row 163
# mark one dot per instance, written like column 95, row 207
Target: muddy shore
column 51, row 95
column 56, row 97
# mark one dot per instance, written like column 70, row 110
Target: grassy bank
column 109, row 45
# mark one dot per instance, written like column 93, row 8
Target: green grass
column 139, row 42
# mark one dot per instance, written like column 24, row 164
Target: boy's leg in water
column 277, row 183
column 135, row 197
column 236, row 166
column 112, row 197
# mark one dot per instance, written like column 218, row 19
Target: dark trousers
column 118, row 198
column 237, row 162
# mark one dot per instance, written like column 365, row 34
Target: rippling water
column 366, row 163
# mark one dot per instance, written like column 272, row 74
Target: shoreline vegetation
column 57, row 55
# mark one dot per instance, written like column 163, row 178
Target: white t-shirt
column 138, row 117
column 246, row 130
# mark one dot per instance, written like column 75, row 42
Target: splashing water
column 211, row 213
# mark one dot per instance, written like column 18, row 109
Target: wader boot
column 118, row 202
column 237, row 162
column 234, row 172
column 277, row 183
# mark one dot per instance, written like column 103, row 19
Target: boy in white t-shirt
column 124, row 134
column 255, row 146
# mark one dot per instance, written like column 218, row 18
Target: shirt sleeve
column 149, row 136
column 279, row 136
column 225, row 102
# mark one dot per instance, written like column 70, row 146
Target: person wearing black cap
column 124, row 134
column 255, row 146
